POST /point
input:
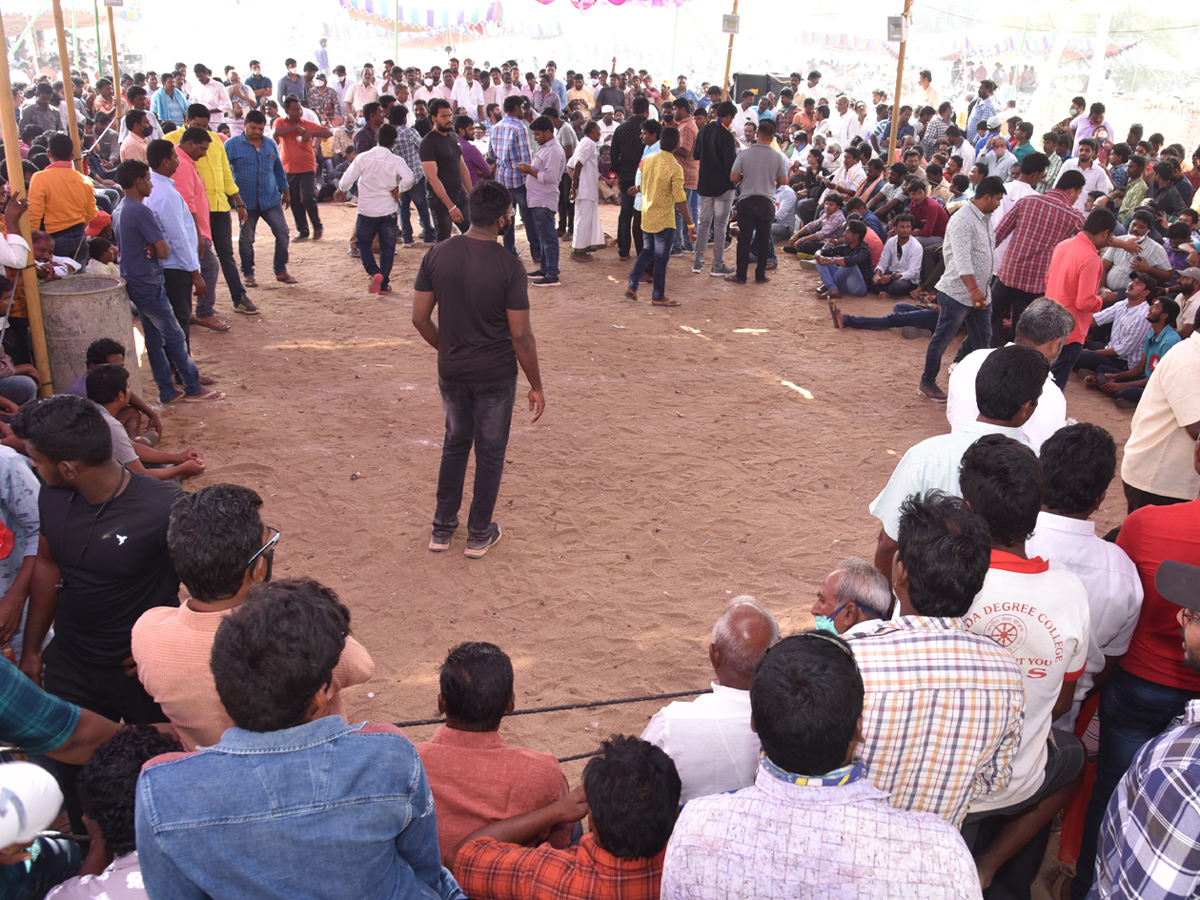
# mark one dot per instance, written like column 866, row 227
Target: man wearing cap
column 1188, row 299
column 607, row 124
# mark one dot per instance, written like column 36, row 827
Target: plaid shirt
column 258, row 172
column 33, row 720
column 488, row 868
column 509, row 145
column 408, row 148
column 1036, row 224
column 1050, row 179
column 687, row 141
column 1150, row 839
column 934, row 132
column 943, row 717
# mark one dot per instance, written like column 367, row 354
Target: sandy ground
column 686, row 456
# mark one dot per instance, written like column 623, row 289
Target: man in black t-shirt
column 482, row 332
column 445, row 171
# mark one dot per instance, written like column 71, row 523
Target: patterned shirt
column 1033, row 227
column 969, row 248
column 982, row 111
column 1129, row 328
column 934, row 132
column 408, row 148
column 509, row 145
column 30, row 718
column 944, row 712
column 488, row 868
column 122, row 880
column 687, row 142
column 258, row 171
column 1150, row 840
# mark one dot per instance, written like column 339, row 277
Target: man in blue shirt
column 169, row 103
column 1126, row 387
column 308, row 808
column 556, row 85
column 291, row 84
column 143, row 243
column 258, row 82
column 259, row 174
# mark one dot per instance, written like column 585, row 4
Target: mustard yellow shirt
column 60, row 198
column 214, row 171
column 662, row 188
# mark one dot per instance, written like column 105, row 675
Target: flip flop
column 665, row 302
column 205, row 397
column 179, row 395
column 248, row 281
column 285, row 278
column 833, row 311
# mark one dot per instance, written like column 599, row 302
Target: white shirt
column 967, row 151
column 13, row 252
column 378, row 171
column 1117, row 278
column 740, row 118
column 962, row 410
column 470, row 97
column 308, row 115
column 1041, row 616
column 1013, row 191
column 710, row 741
column 607, row 131
column 214, row 96
column 587, row 153
column 1094, row 179
column 424, row 93
column 903, row 262
column 1188, row 307
column 844, row 128
column 1113, row 587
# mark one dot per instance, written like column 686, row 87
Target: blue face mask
column 361, row 121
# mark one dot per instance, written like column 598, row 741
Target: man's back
column 322, row 810
column 962, row 408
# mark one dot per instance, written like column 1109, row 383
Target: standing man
column 968, row 251
column 1073, row 279
column 484, row 332
column 509, row 147
column 138, row 100
column 256, row 165
column 542, row 178
column 1094, row 177
column 688, row 129
column 191, row 188
column 445, row 171
column 138, row 126
column 212, row 94
column 408, row 147
column 322, row 55
column 259, row 83
column 585, row 193
column 468, row 93
column 295, row 135
column 627, row 148
column 291, row 84
column 169, row 104
column 381, row 175
column 361, row 92
column 662, row 193
column 982, row 108
column 715, row 151
column 759, row 169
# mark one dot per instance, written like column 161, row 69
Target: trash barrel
column 78, row 310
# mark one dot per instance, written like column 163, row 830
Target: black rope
column 592, row 705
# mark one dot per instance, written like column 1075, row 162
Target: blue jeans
column 210, row 268
column 681, row 238
column 521, row 202
column 365, row 230
column 415, row 196
column 478, row 413
column 902, row 314
column 950, row 320
column 20, row 389
column 656, row 248
column 542, row 220
column 1133, row 712
column 164, row 338
column 72, row 243
column 279, row 228
column 846, row 279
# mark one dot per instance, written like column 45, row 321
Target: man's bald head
column 739, row 639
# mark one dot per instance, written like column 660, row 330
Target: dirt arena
column 686, row 456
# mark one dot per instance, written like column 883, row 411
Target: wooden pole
column 16, row 181
column 68, row 87
column 899, row 84
column 729, row 58
column 116, row 76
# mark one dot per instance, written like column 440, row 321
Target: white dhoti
column 589, row 235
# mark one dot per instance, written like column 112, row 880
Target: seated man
column 219, row 548
column 476, row 692
column 817, row 827
column 853, row 599
column 1039, row 615
column 630, row 796
column 344, row 809
column 1130, row 325
column 899, row 269
column 106, row 350
column 50, row 266
column 710, row 739
column 913, row 321
column 924, row 670
column 845, row 267
column 1127, row 387
column 107, row 788
column 827, row 227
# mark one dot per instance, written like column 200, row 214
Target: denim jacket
column 322, row 810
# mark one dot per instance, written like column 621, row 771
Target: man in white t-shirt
column 1188, row 299
column 1043, row 326
column 1078, row 463
column 468, row 93
column 1040, row 615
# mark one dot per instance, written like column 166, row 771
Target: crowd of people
column 920, row 740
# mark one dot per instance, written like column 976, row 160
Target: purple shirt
column 1086, row 128
column 476, row 165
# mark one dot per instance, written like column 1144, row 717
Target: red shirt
column 485, row 867
column 1035, row 226
column 1149, row 535
column 191, row 188
column 1074, row 281
column 931, row 218
column 297, row 155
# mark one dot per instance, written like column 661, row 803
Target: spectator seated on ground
column 308, row 806
column 845, row 267
column 811, row 237
column 710, row 739
column 812, row 824
column 1129, row 323
column 107, row 789
column 853, row 599
column 102, row 257
column 31, row 863
column 106, row 350
column 913, row 320
column 18, row 382
column 475, row 776
column 899, row 268
column 108, row 387
column 219, row 548
column 1126, row 388
column 630, row 796
column 50, row 266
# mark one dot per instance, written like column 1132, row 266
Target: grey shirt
column 122, row 447
column 968, row 249
column 760, row 166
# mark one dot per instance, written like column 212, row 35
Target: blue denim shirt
column 322, row 811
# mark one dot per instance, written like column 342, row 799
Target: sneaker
column 376, row 283
column 428, row 241
column 535, row 273
column 439, row 541
column 546, row 281
column 245, row 307
column 476, row 549
column 912, row 332
column 677, row 253
column 932, row 391
column 299, row 236
column 722, row 271
column 697, row 268
column 409, row 243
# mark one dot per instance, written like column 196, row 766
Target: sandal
column 248, row 281
column 665, row 302
column 207, row 379
column 285, row 278
column 204, row 397
column 179, row 395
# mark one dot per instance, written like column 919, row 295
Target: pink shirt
column 1074, row 281
column 191, row 187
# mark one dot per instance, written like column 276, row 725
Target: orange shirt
column 60, row 198
column 1074, row 281
column 295, row 154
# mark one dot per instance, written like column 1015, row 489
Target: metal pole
column 729, row 58
column 99, row 53
column 674, row 41
column 899, row 82
column 116, row 76
column 68, row 87
column 16, row 181
column 396, row 41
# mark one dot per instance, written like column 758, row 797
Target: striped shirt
column 1129, row 328
column 509, row 145
column 943, row 714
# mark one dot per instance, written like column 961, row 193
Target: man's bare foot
column 1091, row 382
column 882, row 295
column 836, row 314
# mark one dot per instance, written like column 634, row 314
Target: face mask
column 428, row 82
column 361, row 121
column 824, row 623
column 291, row 70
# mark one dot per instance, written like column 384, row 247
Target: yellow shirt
column 585, row 97
column 60, row 198
column 662, row 188
column 214, row 171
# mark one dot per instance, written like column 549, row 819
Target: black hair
column 513, row 103
column 158, row 152
column 476, row 683
column 990, row 186
column 835, row 199
column 65, row 428
column 807, row 697
column 398, row 116
column 857, row 228
column 1071, row 180
column 1100, row 220
column 1002, row 480
column 946, row 549
column 436, row 105
column 640, row 106
column 211, row 536
column 905, row 217
column 1034, row 163
column 105, row 382
column 387, row 135
column 198, row 111
column 133, row 117
column 108, row 782
column 272, row 654
column 98, row 246
column 60, row 146
column 100, row 350
column 1171, row 308
column 541, row 123
column 1078, row 464
column 651, row 125
column 195, row 135
column 632, row 790
column 256, row 117
column 1008, row 379
column 767, row 127
column 130, row 171
column 488, row 202
column 289, row 100
column 669, row 139
column 724, row 108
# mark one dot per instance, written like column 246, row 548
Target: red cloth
column 477, row 778
column 1074, row 281
column 1035, row 226
column 297, row 156
column 931, row 218
column 1149, row 535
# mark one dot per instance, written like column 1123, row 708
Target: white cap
column 29, row 801
column 605, row 109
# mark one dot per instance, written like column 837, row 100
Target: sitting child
column 49, row 266
column 102, row 257
column 106, row 350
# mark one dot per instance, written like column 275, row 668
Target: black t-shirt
column 422, row 126
column 475, row 284
column 113, row 565
column 716, row 150
column 446, row 151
